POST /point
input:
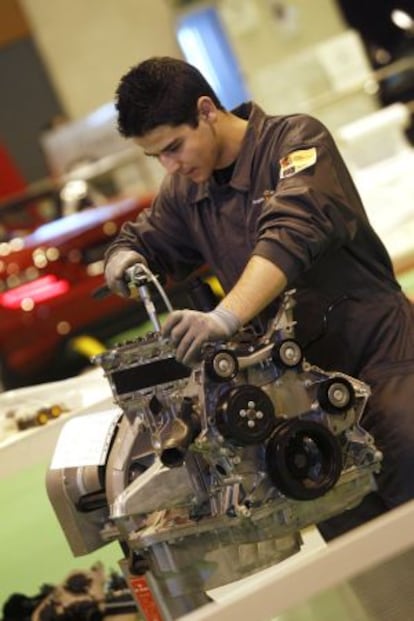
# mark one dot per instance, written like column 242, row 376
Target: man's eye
column 174, row 147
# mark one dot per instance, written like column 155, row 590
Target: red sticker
column 146, row 602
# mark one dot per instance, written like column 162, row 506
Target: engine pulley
column 336, row 395
column 288, row 353
column 303, row 459
column 245, row 414
column 221, row 365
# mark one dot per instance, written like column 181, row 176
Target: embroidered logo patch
column 297, row 161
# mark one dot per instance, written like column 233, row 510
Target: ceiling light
column 402, row 19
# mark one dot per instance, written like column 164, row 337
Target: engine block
column 213, row 471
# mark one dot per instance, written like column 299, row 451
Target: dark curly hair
column 160, row 91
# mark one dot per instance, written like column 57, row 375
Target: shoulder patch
column 297, row 161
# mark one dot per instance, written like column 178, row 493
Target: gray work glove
column 189, row 330
column 116, row 266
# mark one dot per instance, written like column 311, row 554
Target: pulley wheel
column 222, row 365
column 288, row 353
column 245, row 415
column 336, row 395
column 303, row 459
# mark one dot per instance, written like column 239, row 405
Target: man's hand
column 115, row 269
column 190, row 329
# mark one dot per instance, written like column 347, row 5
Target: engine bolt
column 289, row 353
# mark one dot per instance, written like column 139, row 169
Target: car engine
column 211, row 472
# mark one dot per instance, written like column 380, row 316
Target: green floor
column 34, row 550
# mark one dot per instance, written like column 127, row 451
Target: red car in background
column 47, row 281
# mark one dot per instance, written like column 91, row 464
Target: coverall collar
column 240, row 179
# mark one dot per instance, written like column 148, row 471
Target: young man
column 268, row 203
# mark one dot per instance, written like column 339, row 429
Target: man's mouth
column 190, row 172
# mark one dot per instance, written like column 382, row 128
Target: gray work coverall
column 309, row 220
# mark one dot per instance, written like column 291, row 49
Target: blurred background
column 68, row 181
column 351, row 64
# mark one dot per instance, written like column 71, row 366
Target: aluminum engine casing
column 213, row 472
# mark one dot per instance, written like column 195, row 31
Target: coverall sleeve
column 313, row 210
column 160, row 234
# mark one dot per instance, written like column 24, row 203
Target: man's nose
column 169, row 161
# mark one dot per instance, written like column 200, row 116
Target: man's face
column 189, row 151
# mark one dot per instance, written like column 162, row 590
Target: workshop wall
column 81, row 49
column 295, row 61
column 13, row 22
column 28, row 101
column 87, row 46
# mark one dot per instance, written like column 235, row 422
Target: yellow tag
column 297, row 161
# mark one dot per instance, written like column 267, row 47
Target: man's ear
column 206, row 109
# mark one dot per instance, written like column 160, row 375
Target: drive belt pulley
column 303, row 459
column 221, row 365
column 245, row 414
column 287, row 353
column 336, row 394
